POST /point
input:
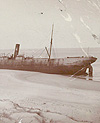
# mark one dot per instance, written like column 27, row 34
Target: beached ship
column 68, row 65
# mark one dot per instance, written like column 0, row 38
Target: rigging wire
column 54, row 53
column 41, row 53
column 38, row 50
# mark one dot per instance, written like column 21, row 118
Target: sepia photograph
column 49, row 61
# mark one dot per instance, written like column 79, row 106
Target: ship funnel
column 16, row 50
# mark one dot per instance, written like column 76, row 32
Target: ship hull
column 70, row 66
column 72, row 69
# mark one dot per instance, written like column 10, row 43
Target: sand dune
column 32, row 97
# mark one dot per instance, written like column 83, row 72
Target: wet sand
column 32, row 97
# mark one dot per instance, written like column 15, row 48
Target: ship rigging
column 67, row 65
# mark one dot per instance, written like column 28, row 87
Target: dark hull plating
column 74, row 66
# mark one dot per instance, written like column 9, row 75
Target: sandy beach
column 33, row 97
column 57, row 30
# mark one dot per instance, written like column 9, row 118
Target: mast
column 49, row 53
column 51, row 41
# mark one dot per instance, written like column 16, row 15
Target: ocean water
column 64, row 52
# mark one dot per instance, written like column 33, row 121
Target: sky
column 29, row 22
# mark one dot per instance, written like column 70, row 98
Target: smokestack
column 16, row 50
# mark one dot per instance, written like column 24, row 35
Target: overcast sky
column 29, row 22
